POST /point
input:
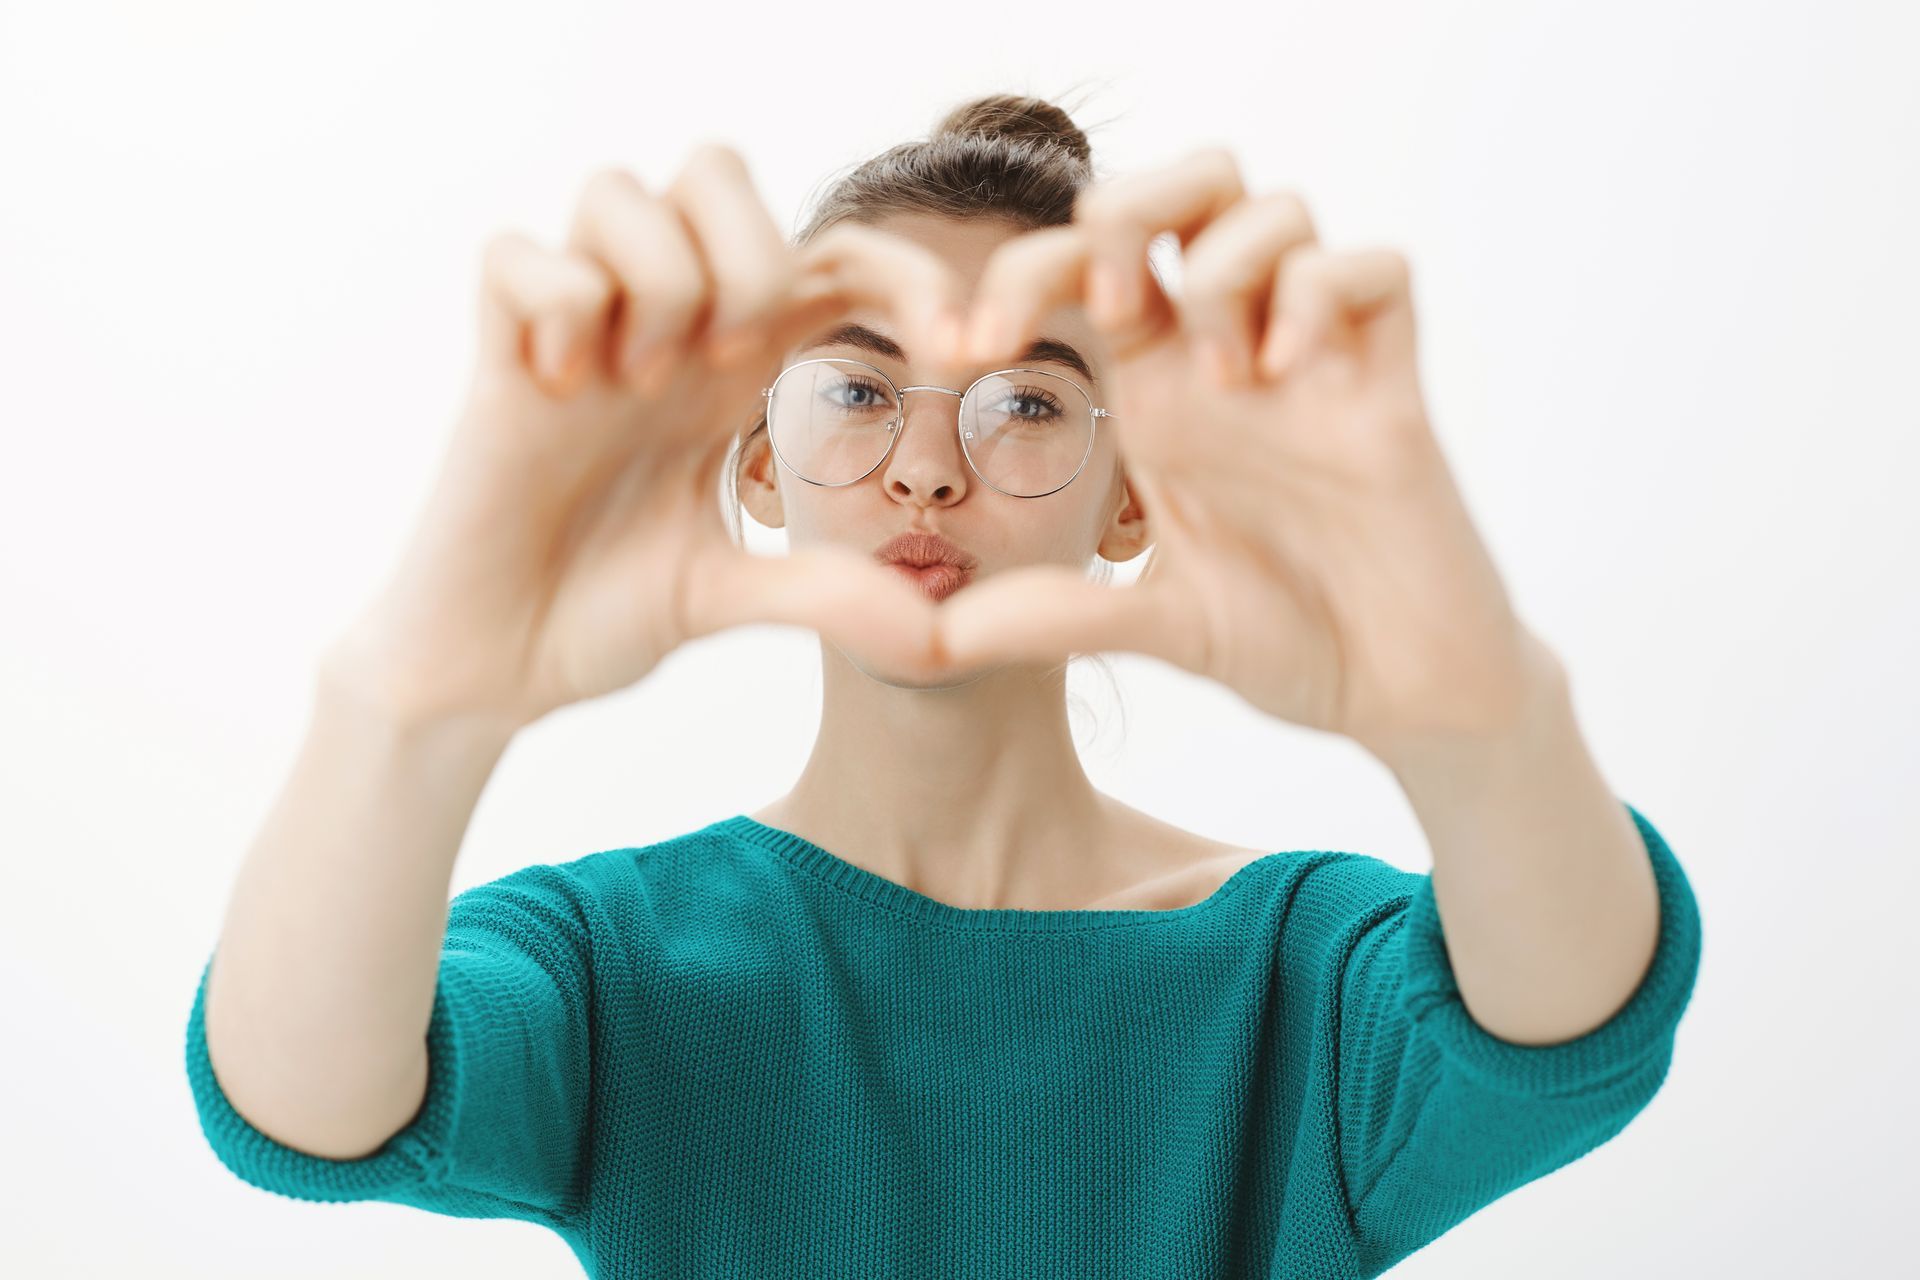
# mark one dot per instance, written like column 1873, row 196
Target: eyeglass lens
column 1025, row 432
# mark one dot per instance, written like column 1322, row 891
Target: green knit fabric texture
column 735, row 1054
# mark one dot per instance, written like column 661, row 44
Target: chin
column 921, row 684
column 933, row 684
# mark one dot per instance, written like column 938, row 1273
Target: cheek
column 807, row 522
column 857, row 515
column 1064, row 534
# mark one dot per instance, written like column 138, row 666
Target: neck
column 973, row 795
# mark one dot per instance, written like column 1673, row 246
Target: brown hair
column 1004, row 156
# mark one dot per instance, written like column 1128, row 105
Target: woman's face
column 926, row 484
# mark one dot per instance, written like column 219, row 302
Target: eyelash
column 1034, row 394
column 1039, row 396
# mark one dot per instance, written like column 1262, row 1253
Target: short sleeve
column 1438, row 1117
column 501, row 1131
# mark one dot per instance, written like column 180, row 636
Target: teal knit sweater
column 734, row 1054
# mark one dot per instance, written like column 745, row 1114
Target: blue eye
column 1048, row 405
column 861, row 387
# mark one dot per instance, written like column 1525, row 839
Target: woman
column 943, row 1007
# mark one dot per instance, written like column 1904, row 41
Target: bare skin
column 971, row 791
column 570, row 541
column 1154, row 865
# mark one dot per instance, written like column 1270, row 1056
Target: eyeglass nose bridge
column 898, row 425
column 900, row 419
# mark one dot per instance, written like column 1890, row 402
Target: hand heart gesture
column 1312, row 550
column 574, row 536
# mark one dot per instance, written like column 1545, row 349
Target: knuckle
column 501, row 252
column 711, row 157
column 1204, row 278
column 1302, row 269
column 1210, row 270
column 1216, row 159
column 763, row 293
column 577, row 286
column 607, row 184
column 1288, row 208
column 533, row 281
column 1030, row 258
column 827, row 238
column 843, row 235
column 671, row 304
column 1304, row 259
column 606, row 201
column 681, row 282
column 841, row 240
column 920, row 262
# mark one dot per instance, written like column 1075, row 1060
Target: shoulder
column 1171, row 866
column 1336, row 889
column 624, row 883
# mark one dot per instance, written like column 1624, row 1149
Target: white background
column 1665, row 267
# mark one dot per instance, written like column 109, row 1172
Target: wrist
column 379, row 686
column 1534, row 715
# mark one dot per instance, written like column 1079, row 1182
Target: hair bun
column 1009, row 115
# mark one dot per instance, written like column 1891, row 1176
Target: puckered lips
column 939, row 567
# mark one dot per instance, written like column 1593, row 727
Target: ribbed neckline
column 877, row 889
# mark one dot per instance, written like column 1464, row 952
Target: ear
column 759, row 482
column 1127, row 533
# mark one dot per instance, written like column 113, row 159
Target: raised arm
column 321, row 986
column 354, row 1036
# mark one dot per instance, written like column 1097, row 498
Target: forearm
column 1544, row 888
column 323, row 980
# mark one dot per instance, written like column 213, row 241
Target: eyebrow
column 873, row 342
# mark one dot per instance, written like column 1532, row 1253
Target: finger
column 541, row 309
column 846, row 596
column 1121, row 217
column 1227, row 280
column 1317, row 288
column 747, row 257
column 849, row 267
column 1047, row 612
column 644, row 244
column 1024, row 279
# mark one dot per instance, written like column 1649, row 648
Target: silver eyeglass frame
column 894, row 428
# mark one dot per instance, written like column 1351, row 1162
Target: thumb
column 846, row 596
column 1048, row 612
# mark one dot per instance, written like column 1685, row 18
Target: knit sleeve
column 500, row 1131
column 1436, row 1116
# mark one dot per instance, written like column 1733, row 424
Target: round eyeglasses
column 1024, row 432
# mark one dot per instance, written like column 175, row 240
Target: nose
column 927, row 466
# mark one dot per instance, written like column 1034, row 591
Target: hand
column 1312, row 551
column 574, row 536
